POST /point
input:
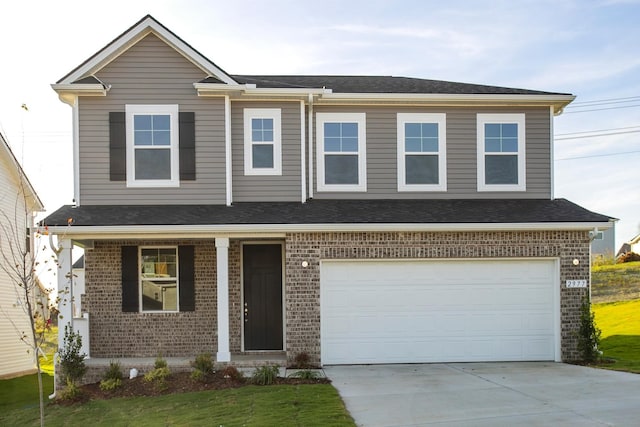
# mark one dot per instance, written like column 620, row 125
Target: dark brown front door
column 262, row 273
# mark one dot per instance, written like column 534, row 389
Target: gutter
column 210, row 230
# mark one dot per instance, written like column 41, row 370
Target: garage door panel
column 399, row 312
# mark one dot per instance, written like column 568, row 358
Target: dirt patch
column 180, row 382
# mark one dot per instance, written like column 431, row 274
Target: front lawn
column 22, row 393
column 620, row 325
column 300, row 405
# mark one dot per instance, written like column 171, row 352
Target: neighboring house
column 632, row 245
column 603, row 243
column 18, row 203
column 359, row 219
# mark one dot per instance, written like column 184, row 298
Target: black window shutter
column 187, row 146
column 117, row 147
column 130, row 279
column 187, row 278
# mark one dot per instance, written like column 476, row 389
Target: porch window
column 159, row 279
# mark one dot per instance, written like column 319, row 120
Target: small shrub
column 588, row 334
column 629, row 257
column 302, row 360
column 232, row 373
column 198, row 375
column 159, row 375
column 203, row 363
column 305, row 374
column 71, row 361
column 265, row 375
column 71, row 391
column 160, row 363
column 110, row 384
column 113, row 372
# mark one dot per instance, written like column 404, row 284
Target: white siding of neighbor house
column 151, row 72
column 14, row 358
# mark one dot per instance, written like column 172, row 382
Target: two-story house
column 359, row 219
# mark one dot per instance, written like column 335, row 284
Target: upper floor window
column 501, row 152
column 262, row 141
column 341, row 151
column 422, row 152
column 159, row 279
column 152, row 145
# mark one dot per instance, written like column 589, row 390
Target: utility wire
column 601, row 109
column 598, row 155
column 597, row 130
column 613, row 100
column 596, row 135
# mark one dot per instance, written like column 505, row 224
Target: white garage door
column 438, row 311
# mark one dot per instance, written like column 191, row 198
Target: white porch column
column 65, row 288
column 222, row 264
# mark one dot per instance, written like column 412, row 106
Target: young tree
column 18, row 262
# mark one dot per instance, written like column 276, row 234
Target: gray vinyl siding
column 268, row 188
column 381, row 135
column 151, row 72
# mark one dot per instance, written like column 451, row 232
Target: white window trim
column 361, row 120
column 441, row 120
column 263, row 113
column 172, row 110
column 518, row 119
column 140, row 308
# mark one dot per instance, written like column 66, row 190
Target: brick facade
column 116, row 334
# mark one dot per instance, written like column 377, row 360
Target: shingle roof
column 332, row 212
column 379, row 84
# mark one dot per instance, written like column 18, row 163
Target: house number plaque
column 576, row 283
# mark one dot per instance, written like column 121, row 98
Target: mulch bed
column 180, row 382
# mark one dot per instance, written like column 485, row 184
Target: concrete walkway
column 488, row 394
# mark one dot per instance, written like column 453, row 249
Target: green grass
column 302, row 405
column 615, row 282
column 22, row 393
column 620, row 340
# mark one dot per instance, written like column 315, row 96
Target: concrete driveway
column 487, row 394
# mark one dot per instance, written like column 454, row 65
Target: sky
column 587, row 48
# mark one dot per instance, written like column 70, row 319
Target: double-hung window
column 422, row 152
column 341, row 151
column 501, row 152
column 159, row 279
column 152, row 145
column 262, row 141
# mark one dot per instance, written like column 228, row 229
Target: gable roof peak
column 146, row 25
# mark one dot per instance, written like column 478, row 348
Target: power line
column 602, row 109
column 596, row 135
column 597, row 130
column 598, row 155
column 612, row 100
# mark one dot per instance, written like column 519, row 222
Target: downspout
column 303, row 146
column 310, row 124
column 76, row 151
column 227, row 149
column 551, row 152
